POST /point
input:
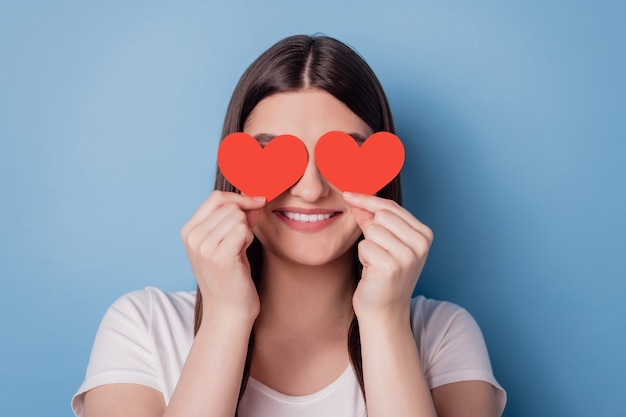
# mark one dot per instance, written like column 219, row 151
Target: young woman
column 303, row 305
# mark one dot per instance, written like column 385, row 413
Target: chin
column 309, row 255
column 313, row 260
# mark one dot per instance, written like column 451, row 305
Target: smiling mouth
column 307, row 218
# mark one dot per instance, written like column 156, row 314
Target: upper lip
column 303, row 210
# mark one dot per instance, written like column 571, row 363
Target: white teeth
column 307, row 218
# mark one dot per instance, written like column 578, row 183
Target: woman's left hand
column 393, row 253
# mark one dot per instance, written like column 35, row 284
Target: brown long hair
column 294, row 63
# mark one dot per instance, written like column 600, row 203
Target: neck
column 301, row 299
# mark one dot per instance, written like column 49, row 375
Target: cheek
column 355, row 230
column 357, row 234
column 350, row 220
column 263, row 225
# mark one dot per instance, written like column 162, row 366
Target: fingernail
column 258, row 198
column 348, row 194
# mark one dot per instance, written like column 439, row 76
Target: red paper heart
column 258, row 171
column 365, row 169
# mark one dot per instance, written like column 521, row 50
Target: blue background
column 513, row 120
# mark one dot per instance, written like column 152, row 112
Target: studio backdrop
column 512, row 116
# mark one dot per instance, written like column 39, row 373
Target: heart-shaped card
column 269, row 171
column 262, row 171
column 361, row 169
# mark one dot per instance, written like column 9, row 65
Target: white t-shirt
column 145, row 336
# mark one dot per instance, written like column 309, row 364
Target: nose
column 312, row 186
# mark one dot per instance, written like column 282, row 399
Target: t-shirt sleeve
column 453, row 347
column 122, row 350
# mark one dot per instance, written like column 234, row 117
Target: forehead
column 306, row 113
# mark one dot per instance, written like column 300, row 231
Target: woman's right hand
column 216, row 238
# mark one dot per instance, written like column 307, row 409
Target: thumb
column 252, row 216
column 362, row 217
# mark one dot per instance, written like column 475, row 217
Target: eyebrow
column 264, row 138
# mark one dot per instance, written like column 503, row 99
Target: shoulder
column 435, row 316
column 440, row 325
column 147, row 317
column 144, row 304
column 451, row 345
column 144, row 296
column 143, row 339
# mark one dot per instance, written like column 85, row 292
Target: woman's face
column 310, row 223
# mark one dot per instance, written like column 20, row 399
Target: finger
column 418, row 240
column 405, row 252
column 362, row 217
column 213, row 230
column 252, row 217
column 236, row 240
column 373, row 204
column 218, row 199
column 371, row 255
column 204, row 240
